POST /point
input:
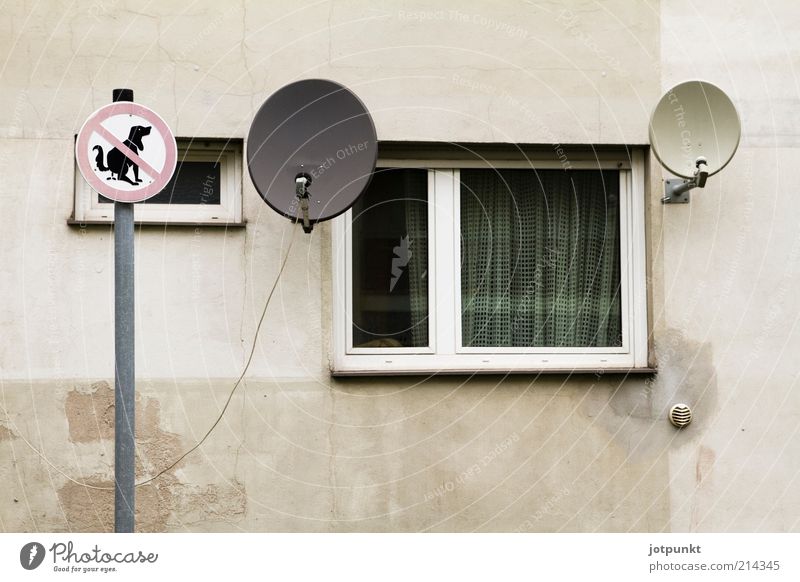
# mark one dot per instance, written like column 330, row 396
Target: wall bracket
column 676, row 190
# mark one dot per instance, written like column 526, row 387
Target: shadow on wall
column 636, row 414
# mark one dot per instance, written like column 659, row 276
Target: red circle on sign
column 93, row 125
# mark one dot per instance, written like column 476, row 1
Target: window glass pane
column 390, row 261
column 540, row 258
column 193, row 183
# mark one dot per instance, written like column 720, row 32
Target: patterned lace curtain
column 416, row 209
column 540, row 258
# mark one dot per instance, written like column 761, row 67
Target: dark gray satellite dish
column 311, row 150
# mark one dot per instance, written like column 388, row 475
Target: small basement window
column 206, row 189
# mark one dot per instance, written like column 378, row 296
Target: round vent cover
column 680, row 415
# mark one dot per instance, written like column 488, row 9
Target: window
column 206, row 189
column 504, row 266
column 390, row 262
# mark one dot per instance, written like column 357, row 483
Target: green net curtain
column 390, row 261
column 540, row 258
column 416, row 210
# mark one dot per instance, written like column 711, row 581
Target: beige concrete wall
column 299, row 450
column 731, row 272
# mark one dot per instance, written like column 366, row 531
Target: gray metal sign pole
column 125, row 375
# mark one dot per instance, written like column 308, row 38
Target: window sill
column 493, row 372
column 161, row 224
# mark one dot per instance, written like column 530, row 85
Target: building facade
column 315, row 441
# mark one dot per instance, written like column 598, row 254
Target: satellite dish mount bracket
column 676, row 190
column 302, row 182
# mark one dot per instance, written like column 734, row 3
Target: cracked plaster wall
column 299, row 450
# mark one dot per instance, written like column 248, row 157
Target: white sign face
column 126, row 152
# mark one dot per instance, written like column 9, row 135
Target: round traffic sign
column 126, row 152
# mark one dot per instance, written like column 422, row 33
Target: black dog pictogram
column 118, row 162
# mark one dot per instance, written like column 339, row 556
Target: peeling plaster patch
column 155, row 447
column 90, row 414
column 210, row 503
column 92, row 510
column 164, row 502
column 6, row 434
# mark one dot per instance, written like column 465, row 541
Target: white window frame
column 445, row 354
column 88, row 208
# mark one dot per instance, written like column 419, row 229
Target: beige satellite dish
column 694, row 132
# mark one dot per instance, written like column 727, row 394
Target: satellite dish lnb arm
column 302, row 182
column 676, row 191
